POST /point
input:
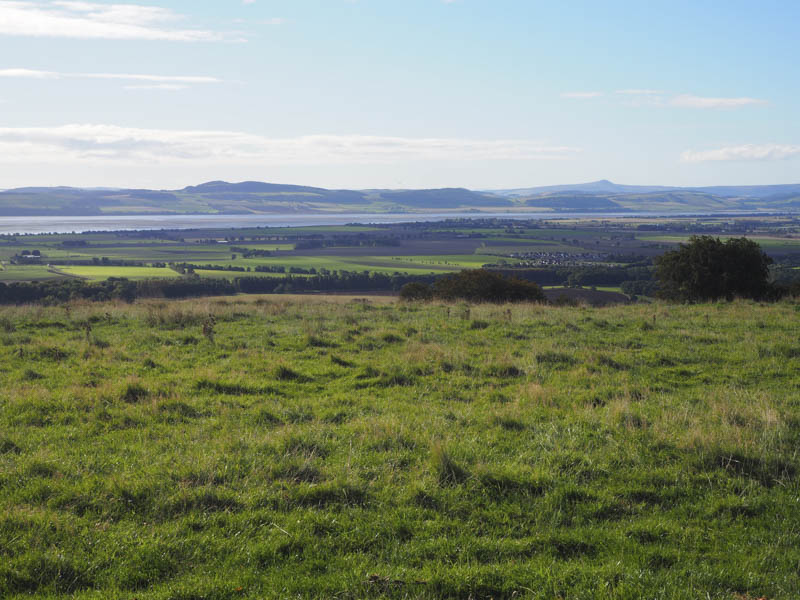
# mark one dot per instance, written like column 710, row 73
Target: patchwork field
column 410, row 248
column 314, row 447
column 765, row 242
column 103, row 273
column 25, row 273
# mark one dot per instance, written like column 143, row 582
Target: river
column 34, row 225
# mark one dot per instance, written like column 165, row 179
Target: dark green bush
column 480, row 285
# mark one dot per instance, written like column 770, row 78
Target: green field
column 102, row 273
column 25, row 273
column 267, row 246
column 374, row 264
column 765, row 242
column 441, row 262
column 602, row 288
column 281, row 447
column 221, row 274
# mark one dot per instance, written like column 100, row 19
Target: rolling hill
column 605, row 187
column 254, row 197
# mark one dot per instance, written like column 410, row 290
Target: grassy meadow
column 26, row 273
column 331, row 447
column 99, row 273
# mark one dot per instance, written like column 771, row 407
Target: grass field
column 100, row 273
column 266, row 246
column 602, row 288
column 765, row 242
column 221, row 274
column 443, row 262
column 25, row 273
column 285, row 447
column 374, row 264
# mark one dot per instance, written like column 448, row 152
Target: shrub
column 480, row 285
column 415, row 291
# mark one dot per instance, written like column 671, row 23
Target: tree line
column 64, row 290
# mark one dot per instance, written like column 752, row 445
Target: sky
column 485, row 94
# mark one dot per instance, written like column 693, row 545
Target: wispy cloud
column 690, row 101
column 743, row 152
column 639, row 92
column 168, row 87
column 582, row 95
column 658, row 98
column 107, row 143
column 36, row 74
column 88, row 20
column 29, row 74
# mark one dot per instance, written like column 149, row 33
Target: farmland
column 285, row 446
column 411, row 248
column 96, row 273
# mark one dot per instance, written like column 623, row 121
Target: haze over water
column 37, row 225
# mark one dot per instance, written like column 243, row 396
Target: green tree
column 415, row 291
column 481, row 285
column 707, row 268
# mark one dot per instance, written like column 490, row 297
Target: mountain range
column 253, row 197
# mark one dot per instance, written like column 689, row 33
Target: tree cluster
column 477, row 285
column 707, row 268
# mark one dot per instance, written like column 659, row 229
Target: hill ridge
column 259, row 197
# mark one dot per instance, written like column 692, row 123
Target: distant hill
column 751, row 191
column 255, row 197
column 248, row 197
column 596, row 187
column 248, row 187
column 606, row 187
column 443, row 198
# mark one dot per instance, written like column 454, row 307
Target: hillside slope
column 253, row 197
column 317, row 448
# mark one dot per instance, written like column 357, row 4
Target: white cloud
column 580, row 95
column 638, row 92
column 34, row 74
column 743, row 152
column 29, row 74
column 690, row 101
column 88, row 20
column 162, row 78
column 659, row 98
column 171, row 87
column 98, row 144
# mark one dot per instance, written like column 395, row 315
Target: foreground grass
column 274, row 448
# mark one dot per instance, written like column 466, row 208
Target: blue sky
column 398, row 93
